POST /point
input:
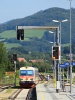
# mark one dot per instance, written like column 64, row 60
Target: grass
column 34, row 33
column 9, row 90
column 10, row 45
column 68, row 44
column 8, row 34
column 27, row 33
column 9, row 78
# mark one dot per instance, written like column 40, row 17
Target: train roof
column 23, row 68
column 28, row 68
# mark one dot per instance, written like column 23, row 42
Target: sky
column 13, row 9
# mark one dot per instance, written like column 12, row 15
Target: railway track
column 15, row 94
column 24, row 94
column 3, row 87
column 42, row 77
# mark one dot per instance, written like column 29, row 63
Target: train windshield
column 26, row 72
column 30, row 72
column 23, row 72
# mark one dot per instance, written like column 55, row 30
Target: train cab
column 28, row 77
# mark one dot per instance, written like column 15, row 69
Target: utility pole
column 15, row 73
column 57, row 63
column 70, row 52
column 15, row 59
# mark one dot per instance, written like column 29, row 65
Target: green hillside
column 33, row 33
column 11, row 45
column 44, row 18
column 28, row 34
column 39, row 39
column 11, row 34
column 8, row 34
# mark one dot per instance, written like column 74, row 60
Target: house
column 34, row 61
column 21, row 59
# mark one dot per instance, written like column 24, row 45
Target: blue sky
column 13, row 9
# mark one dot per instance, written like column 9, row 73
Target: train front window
column 30, row 72
column 23, row 72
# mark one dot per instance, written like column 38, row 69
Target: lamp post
column 15, row 73
column 60, row 33
column 54, row 36
column 62, row 21
column 54, row 67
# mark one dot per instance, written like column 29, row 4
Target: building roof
column 39, row 60
column 21, row 59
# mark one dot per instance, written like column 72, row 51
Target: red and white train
column 28, row 77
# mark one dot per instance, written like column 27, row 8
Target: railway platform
column 48, row 92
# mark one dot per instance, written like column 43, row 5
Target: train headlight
column 31, row 79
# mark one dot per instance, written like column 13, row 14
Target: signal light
column 55, row 53
column 20, row 34
column 15, row 57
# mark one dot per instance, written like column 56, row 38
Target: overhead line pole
column 60, row 43
column 57, row 62
column 70, row 52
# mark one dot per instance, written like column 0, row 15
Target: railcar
column 28, row 77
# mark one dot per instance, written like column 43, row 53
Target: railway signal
column 20, row 34
column 15, row 57
column 55, row 52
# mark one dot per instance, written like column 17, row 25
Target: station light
column 20, row 34
column 55, row 53
column 14, row 57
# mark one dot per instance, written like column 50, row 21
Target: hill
column 44, row 18
column 41, row 18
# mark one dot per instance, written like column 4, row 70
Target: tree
column 66, row 50
column 3, row 59
column 3, row 55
